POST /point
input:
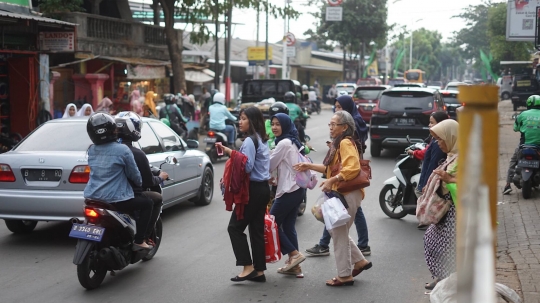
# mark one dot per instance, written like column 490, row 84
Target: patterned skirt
column 440, row 246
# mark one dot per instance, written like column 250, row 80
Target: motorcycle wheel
column 212, row 154
column 389, row 194
column 302, row 207
column 91, row 272
column 156, row 237
column 526, row 191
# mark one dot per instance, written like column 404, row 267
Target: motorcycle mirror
column 308, row 138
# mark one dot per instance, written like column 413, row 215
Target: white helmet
column 219, row 98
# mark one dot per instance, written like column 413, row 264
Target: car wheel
column 206, row 191
column 505, row 96
column 21, row 226
column 375, row 149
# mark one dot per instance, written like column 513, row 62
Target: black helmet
column 213, row 92
column 289, row 97
column 128, row 126
column 278, row 107
column 101, row 128
column 169, row 99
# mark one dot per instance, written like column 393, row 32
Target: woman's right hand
column 302, row 166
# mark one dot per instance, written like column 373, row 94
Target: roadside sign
column 334, row 2
column 291, row 39
column 291, row 51
column 334, row 13
column 258, row 53
column 537, row 30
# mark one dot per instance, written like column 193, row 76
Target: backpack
column 307, row 178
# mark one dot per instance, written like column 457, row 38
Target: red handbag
column 271, row 239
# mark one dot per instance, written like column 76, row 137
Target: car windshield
column 69, row 136
column 451, row 88
column 451, row 100
column 394, row 82
column 348, row 89
column 403, row 101
column 368, row 94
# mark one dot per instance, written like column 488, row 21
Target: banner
column 258, row 53
column 145, row 72
column 520, row 20
column 57, row 41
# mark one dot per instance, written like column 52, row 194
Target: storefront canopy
column 198, row 76
column 34, row 17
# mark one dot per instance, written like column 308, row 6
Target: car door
column 188, row 171
column 151, row 146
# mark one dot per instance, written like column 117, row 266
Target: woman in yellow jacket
column 349, row 260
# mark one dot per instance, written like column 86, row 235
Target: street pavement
column 518, row 234
column 196, row 261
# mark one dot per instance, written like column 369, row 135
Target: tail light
column 211, row 134
column 529, row 157
column 378, row 111
column 80, row 174
column 6, row 174
column 375, row 136
column 90, row 212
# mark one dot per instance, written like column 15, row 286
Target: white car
column 348, row 87
column 454, row 85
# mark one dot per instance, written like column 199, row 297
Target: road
column 196, row 261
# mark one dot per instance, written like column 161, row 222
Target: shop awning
column 34, row 17
column 137, row 61
column 198, row 76
column 325, row 68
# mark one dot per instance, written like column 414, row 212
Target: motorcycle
column 527, row 173
column 105, row 239
column 214, row 136
column 398, row 191
column 314, row 107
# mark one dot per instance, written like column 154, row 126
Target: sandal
column 296, row 271
column 430, row 286
column 356, row 272
column 337, row 282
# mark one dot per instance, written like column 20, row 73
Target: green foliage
column 50, row 7
column 474, row 36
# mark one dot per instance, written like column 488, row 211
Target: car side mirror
column 171, row 160
column 192, row 144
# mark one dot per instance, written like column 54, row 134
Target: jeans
column 230, row 132
column 144, row 206
column 285, row 209
column 157, row 201
column 512, row 167
column 361, row 229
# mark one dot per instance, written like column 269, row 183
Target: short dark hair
column 256, row 122
column 439, row 116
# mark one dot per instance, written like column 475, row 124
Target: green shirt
column 294, row 111
column 268, row 126
column 528, row 123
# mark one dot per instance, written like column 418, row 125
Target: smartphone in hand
column 219, row 149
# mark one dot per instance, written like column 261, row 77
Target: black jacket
column 148, row 179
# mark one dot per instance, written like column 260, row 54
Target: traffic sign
column 334, row 2
column 334, row 13
column 291, row 39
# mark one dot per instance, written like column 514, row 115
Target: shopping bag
column 271, row 239
column 316, row 210
column 335, row 214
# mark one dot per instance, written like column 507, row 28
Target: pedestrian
column 258, row 166
column 289, row 195
column 346, row 103
column 104, row 106
column 150, row 106
column 440, row 238
column 135, row 103
column 71, row 111
column 204, row 101
column 332, row 93
column 349, row 259
column 86, row 110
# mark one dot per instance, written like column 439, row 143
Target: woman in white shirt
column 288, row 194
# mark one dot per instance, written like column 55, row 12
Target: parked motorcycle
column 527, row 174
column 106, row 236
column 214, row 136
column 397, row 198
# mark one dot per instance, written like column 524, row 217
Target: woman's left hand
column 445, row 177
column 326, row 185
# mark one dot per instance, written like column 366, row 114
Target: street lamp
column 410, row 51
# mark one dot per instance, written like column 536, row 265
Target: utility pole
column 284, row 59
column 266, row 63
column 216, row 64
column 256, row 73
column 410, row 52
column 228, row 55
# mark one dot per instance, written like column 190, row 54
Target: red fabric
column 236, row 184
column 419, row 154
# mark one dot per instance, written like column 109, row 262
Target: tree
column 49, row 7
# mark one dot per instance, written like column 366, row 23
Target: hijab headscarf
column 288, row 130
column 447, row 130
column 81, row 111
column 136, row 105
column 149, row 102
column 349, row 106
column 105, row 105
column 66, row 112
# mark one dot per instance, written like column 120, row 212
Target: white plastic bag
column 316, row 210
column 335, row 214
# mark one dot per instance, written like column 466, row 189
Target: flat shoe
column 337, row 282
column 356, row 272
column 430, row 286
column 251, row 275
column 261, row 278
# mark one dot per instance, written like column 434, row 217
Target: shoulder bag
column 360, row 181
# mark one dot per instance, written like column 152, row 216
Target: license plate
column 368, row 108
column 529, row 163
column 210, row 140
column 87, row 232
column 404, row 121
column 42, row 174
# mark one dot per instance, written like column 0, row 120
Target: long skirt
column 440, row 246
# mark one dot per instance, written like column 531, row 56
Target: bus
column 415, row 76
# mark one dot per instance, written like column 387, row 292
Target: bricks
column 518, row 232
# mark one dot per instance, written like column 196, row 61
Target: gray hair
column 346, row 118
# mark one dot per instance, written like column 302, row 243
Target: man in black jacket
column 128, row 126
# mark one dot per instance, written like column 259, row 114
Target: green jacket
column 271, row 137
column 295, row 111
column 528, row 123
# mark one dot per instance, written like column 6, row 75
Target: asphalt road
column 196, row 261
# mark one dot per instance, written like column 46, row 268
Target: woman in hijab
column 136, row 105
column 347, row 104
column 71, row 111
column 440, row 238
column 105, row 105
column 86, row 110
column 288, row 194
column 150, row 105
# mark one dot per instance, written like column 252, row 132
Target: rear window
column 267, row 88
column 348, row 88
column 394, row 82
column 404, row 101
column 57, row 137
column 368, row 94
column 451, row 98
column 412, row 76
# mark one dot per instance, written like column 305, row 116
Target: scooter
column 314, row 107
column 106, row 236
column 397, row 198
column 214, row 136
column 527, row 173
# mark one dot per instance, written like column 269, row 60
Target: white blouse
column 282, row 159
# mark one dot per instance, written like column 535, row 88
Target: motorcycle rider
column 112, row 166
column 305, row 93
column 312, row 97
column 173, row 114
column 280, row 107
column 128, row 128
column 296, row 113
column 528, row 124
column 218, row 114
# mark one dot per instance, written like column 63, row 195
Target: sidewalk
column 518, row 233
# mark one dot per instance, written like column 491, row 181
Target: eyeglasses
column 332, row 125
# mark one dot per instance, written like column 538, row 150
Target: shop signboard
column 145, row 72
column 57, row 41
column 258, row 54
column 521, row 20
column 25, row 3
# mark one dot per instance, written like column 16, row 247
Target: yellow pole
column 481, row 100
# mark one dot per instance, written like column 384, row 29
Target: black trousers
column 301, row 132
column 157, row 200
column 144, row 206
column 259, row 195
